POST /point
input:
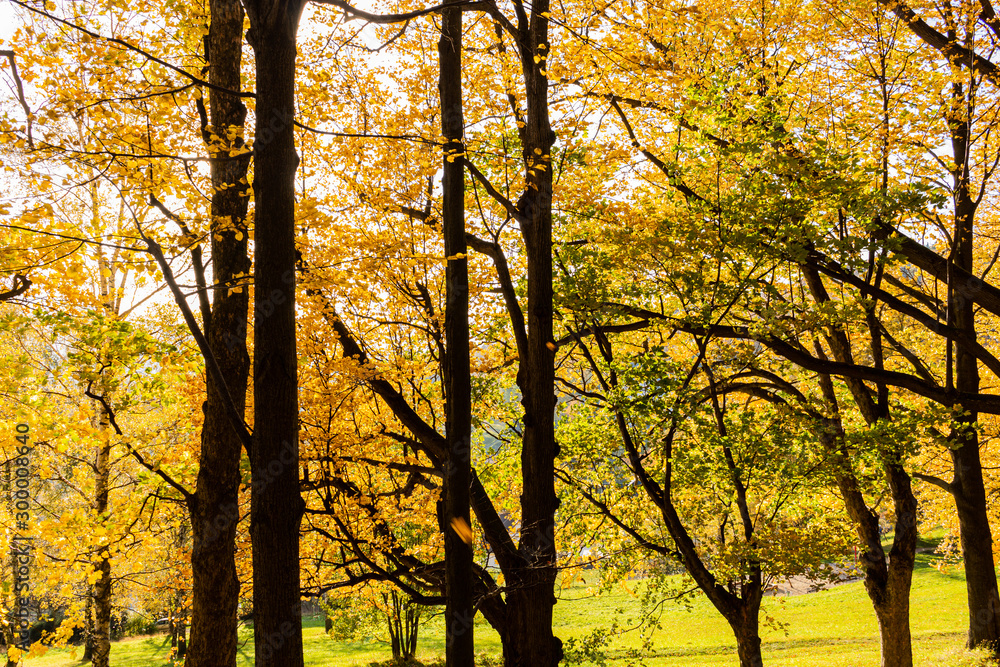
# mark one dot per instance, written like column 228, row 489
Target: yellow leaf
column 459, row 525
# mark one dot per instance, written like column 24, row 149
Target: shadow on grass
column 778, row 646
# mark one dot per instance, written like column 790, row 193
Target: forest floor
column 830, row 628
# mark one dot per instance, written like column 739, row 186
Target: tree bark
column 968, row 488
column 531, row 596
column 214, row 508
column 102, row 587
column 88, row 631
column 887, row 581
column 894, row 631
column 455, row 519
column 275, row 505
column 747, row 631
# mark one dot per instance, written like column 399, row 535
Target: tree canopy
column 441, row 302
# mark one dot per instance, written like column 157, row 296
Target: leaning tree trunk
column 214, row 507
column 275, row 504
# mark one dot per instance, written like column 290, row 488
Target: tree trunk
column 412, row 629
column 88, row 631
column 894, row 618
column 102, row 587
column 275, row 505
column 747, row 631
column 968, row 488
column 172, row 621
column 887, row 581
column 395, row 634
column 181, row 646
column 894, row 632
column 977, row 548
column 455, row 519
column 531, row 594
column 214, row 508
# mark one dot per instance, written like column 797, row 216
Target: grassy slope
column 834, row 628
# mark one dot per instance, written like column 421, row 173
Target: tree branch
column 956, row 53
column 131, row 47
column 20, row 95
column 20, row 286
column 109, row 411
column 235, row 418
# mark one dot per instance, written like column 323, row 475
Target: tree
column 871, row 233
column 214, row 505
column 275, row 506
column 455, row 519
column 377, row 613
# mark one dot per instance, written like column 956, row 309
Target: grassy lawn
column 833, row 628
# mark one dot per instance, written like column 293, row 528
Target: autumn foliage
column 441, row 304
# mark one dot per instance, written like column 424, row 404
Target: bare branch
column 21, row 285
column 353, row 12
column 235, row 418
column 20, row 94
column 954, row 52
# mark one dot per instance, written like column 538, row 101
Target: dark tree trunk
column 180, row 650
column 887, row 581
column 967, row 487
column 102, row 587
column 404, row 622
column 746, row 628
column 412, row 629
column 88, row 631
column 894, row 613
column 977, row 548
column 455, row 519
column 172, row 621
column 214, row 507
column 275, row 504
column 531, row 595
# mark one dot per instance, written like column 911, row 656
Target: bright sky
column 6, row 20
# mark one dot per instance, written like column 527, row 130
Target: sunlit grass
column 833, row 628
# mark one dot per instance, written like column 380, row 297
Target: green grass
column 833, row 628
